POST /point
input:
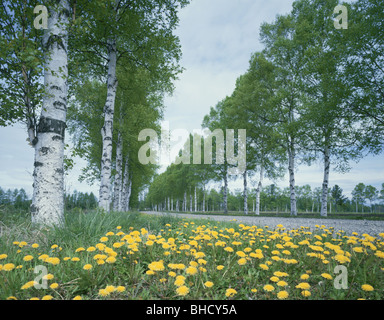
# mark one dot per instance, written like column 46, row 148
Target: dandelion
column 326, row 276
column 110, row 260
column 367, row 287
column 54, row 286
column 80, row 249
column 3, row 256
column 28, row 258
column 304, row 276
column 77, row 298
column 110, row 289
column 263, row 266
column 269, row 288
column 75, row 259
column 28, row 285
column 182, row 291
column 282, row 283
column 306, row 293
column 103, row 239
column 87, row 267
column 191, row 270
column 274, row 279
column 120, row 289
column 242, row 261
column 208, row 284
column 282, row 295
column 47, row 297
column 303, row 285
column 48, row 276
column 179, row 282
column 35, row 246
column 220, row 267
column 230, row 292
column 156, row 266
column 103, row 293
column 8, row 267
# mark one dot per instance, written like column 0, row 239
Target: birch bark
column 48, row 177
column 324, row 198
column 107, row 130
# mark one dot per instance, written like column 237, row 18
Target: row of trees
column 19, row 200
column 104, row 65
column 315, row 93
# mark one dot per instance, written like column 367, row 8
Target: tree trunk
column 324, row 199
column 48, row 177
column 185, row 202
column 204, row 198
column 292, row 187
column 195, row 200
column 258, row 191
column 245, row 193
column 107, row 130
column 225, row 191
column 119, row 174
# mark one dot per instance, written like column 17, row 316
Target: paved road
column 370, row 227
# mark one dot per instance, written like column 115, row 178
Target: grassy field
column 135, row 256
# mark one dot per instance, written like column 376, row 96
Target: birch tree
column 23, row 59
column 122, row 32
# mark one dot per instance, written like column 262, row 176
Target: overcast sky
column 217, row 38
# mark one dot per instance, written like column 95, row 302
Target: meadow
column 139, row 257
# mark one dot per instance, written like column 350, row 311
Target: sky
column 217, row 38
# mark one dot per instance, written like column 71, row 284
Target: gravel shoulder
column 370, row 227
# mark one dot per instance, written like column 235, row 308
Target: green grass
column 142, row 255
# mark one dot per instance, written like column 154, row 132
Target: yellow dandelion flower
column 326, row 276
column 110, row 289
column 303, row 285
column 120, row 289
column 269, row 288
column 367, row 287
column 28, row 285
column 8, row 267
column 282, row 283
column 87, row 267
column 28, row 258
column 77, row 298
column 306, row 293
column 191, row 270
column 103, row 293
column 220, row 267
column 35, row 245
column 304, row 276
column 182, row 291
column 47, row 297
column 54, row 286
column 208, row 284
column 283, row 295
column 80, row 249
column 242, row 261
column 110, row 260
column 230, row 292
column 263, row 266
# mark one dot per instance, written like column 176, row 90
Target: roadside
column 371, row 227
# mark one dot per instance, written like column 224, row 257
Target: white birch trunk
column 292, row 187
column 258, row 191
column 225, row 191
column 119, row 175
column 190, row 202
column 204, row 198
column 48, row 177
column 107, row 130
column 195, row 200
column 245, row 193
column 324, row 199
column 124, row 197
column 185, row 202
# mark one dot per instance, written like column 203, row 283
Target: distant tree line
column 365, row 199
column 17, row 199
